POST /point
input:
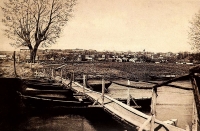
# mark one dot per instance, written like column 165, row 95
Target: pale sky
column 122, row 25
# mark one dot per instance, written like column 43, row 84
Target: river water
column 65, row 119
column 172, row 103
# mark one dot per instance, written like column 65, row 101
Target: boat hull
column 35, row 80
column 96, row 85
column 31, row 101
column 162, row 77
column 45, row 86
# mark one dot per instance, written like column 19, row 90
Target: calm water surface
column 172, row 103
column 92, row 119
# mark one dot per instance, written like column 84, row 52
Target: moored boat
column 46, row 102
column 45, row 86
column 134, row 84
column 36, row 80
column 96, row 84
column 162, row 77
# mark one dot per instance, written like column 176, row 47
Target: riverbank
column 22, row 69
column 128, row 70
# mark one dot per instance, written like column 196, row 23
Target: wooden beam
column 134, row 101
column 145, row 124
column 194, row 117
column 60, row 67
column 98, row 106
column 170, row 81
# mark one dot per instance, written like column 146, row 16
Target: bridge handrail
column 132, row 110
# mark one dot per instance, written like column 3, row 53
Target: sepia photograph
column 100, row 65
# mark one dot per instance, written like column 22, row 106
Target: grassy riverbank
column 22, row 69
column 128, row 70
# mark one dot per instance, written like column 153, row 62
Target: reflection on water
column 91, row 119
column 173, row 103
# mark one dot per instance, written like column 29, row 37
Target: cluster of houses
column 93, row 55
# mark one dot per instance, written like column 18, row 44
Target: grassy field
column 22, row 69
column 129, row 70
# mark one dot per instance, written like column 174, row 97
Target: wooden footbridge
column 120, row 110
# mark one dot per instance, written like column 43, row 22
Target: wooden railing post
column 128, row 97
column 153, row 107
column 84, row 84
column 103, row 90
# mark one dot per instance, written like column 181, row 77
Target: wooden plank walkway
column 120, row 110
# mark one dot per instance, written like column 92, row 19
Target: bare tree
column 34, row 23
column 194, row 32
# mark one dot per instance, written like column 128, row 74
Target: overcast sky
column 122, row 25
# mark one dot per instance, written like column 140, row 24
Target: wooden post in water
column 30, row 65
column 71, row 80
column 103, row 90
column 73, row 75
column 66, row 76
column 36, row 73
column 128, row 97
column 44, row 72
column 48, row 75
column 52, row 73
column 153, row 107
column 14, row 65
column 84, row 84
column 61, row 73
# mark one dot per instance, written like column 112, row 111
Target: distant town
column 81, row 55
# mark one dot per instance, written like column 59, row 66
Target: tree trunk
column 33, row 55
